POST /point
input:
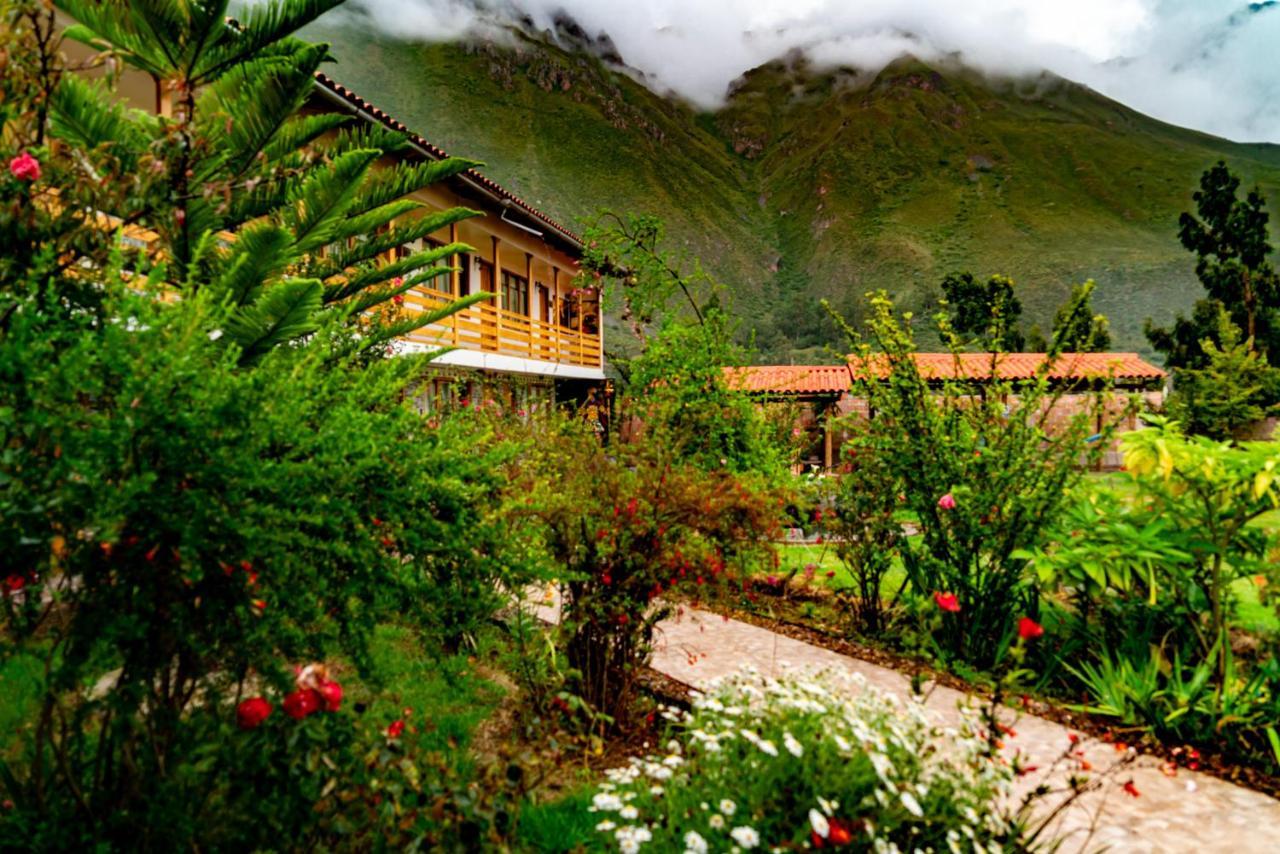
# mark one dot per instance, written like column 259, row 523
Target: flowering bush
column 979, row 471
column 626, row 527
column 821, row 761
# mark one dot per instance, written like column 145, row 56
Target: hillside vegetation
column 815, row 183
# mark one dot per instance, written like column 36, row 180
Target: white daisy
column 745, row 836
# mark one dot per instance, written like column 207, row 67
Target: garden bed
column 792, row 624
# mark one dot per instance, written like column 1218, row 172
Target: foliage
column 1229, row 238
column 1230, row 393
column 196, row 491
column 1152, row 577
column 313, row 218
column 675, row 382
column 979, row 469
column 984, row 314
column 1076, row 328
column 625, row 528
column 818, row 761
column 1180, row 546
column 866, row 528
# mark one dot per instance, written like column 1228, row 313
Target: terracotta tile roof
column 390, row 121
column 1017, row 366
column 831, row 379
column 790, row 379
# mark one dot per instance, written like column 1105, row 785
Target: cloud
column 1205, row 64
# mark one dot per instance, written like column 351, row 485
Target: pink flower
column 947, row 502
column 1029, row 629
column 947, row 602
column 24, row 167
column 252, row 712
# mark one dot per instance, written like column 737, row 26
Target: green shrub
column 819, row 761
column 979, row 471
column 1151, row 577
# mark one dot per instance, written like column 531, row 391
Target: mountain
column 815, row 182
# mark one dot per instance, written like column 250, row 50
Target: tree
column 1230, row 392
column 1229, row 238
column 682, row 341
column 984, row 314
column 1076, row 328
column 314, row 220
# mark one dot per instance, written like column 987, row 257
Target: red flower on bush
column 252, row 712
column 301, row 703
column 24, row 167
column 331, row 696
column 396, row 729
column 947, row 602
column 947, row 502
column 398, row 299
column 1029, row 629
column 14, row 583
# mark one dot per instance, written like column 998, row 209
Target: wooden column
column 455, row 279
column 555, row 308
column 826, row 438
column 528, row 309
column 497, row 289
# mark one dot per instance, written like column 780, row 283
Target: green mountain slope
column 817, row 183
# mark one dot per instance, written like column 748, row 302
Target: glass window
column 515, row 293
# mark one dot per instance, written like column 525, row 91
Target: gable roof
column 336, row 90
column 834, row 379
column 1019, row 366
column 790, row 379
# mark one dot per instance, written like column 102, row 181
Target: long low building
column 821, row 392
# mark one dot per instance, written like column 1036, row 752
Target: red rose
column 24, row 167
column 13, row 584
column 331, row 696
column 947, row 602
column 1029, row 629
column 301, row 703
column 396, row 728
column 398, row 299
column 253, row 711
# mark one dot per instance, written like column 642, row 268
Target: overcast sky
column 1213, row 65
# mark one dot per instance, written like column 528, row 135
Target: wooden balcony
column 486, row 328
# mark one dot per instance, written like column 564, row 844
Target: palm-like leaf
column 317, row 207
column 283, row 312
column 399, row 235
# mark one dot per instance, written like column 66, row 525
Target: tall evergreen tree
column 1230, row 240
column 314, row 218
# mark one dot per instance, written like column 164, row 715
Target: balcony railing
column 486, row 328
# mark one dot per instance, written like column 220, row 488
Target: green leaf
column 282, row 313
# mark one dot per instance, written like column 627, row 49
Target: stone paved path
column 1188, row 812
